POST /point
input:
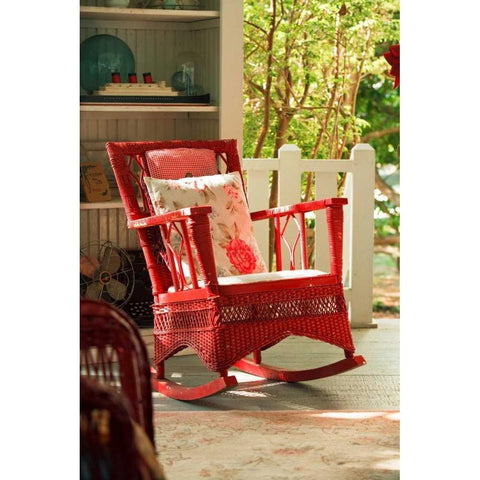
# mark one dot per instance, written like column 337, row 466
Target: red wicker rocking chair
column 225, row 318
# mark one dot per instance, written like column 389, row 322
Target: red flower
column 393, row 58
column 232, row 192
column 241, row 256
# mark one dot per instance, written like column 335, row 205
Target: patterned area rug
column 279, row 445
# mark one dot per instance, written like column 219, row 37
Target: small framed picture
column 94, row 182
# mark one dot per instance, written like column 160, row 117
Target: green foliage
column 378, row 105
column 381, row 307
column 389, row 224
column 319, row 54
column 315, row 76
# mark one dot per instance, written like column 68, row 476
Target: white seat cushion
column 268, row 276
column 263, row 277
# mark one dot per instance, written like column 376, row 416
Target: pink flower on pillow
column 241, row 256
column 233, row 192
column 199, row 184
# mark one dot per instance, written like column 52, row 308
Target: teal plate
column 100, row 56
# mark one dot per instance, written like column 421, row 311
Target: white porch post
column 360, row 235
column 231, row 74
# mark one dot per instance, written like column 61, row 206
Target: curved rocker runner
column 224, row 382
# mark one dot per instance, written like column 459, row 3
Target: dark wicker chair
column 224, row 319
column 112, row 352
column 111, row 444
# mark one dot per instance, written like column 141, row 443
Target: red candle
column 147, row 77
column 116, row 77
column 132, row 78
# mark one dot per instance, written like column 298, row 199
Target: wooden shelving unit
column 214, row 36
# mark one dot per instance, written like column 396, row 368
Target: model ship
column 136, row 89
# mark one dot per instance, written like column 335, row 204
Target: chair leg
column 160, row 370
column 179, row 392
column 257, row 356
column 274, row 373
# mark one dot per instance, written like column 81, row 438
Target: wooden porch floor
column 375, row 386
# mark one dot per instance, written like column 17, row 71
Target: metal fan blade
column 111, row 260
column 94, row 291
column 117, row 290
column 88, row 266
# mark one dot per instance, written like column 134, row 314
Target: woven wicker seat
column 224, row 319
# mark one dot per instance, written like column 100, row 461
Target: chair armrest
column 298, row 208
column 163, row 219
column 334, row 218
column 193, row 224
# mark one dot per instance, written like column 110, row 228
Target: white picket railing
column 358, row 225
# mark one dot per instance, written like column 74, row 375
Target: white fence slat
column 257, row 191
column 347, row 227
column 332, row 166
column 289, row 193
column 261, row 164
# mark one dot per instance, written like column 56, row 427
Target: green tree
column 314, row 75
column 379, row 105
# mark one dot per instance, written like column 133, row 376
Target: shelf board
column 139, row 108
column 148, row 14
column 114, row 203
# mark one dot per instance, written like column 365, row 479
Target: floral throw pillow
column 234, row 245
